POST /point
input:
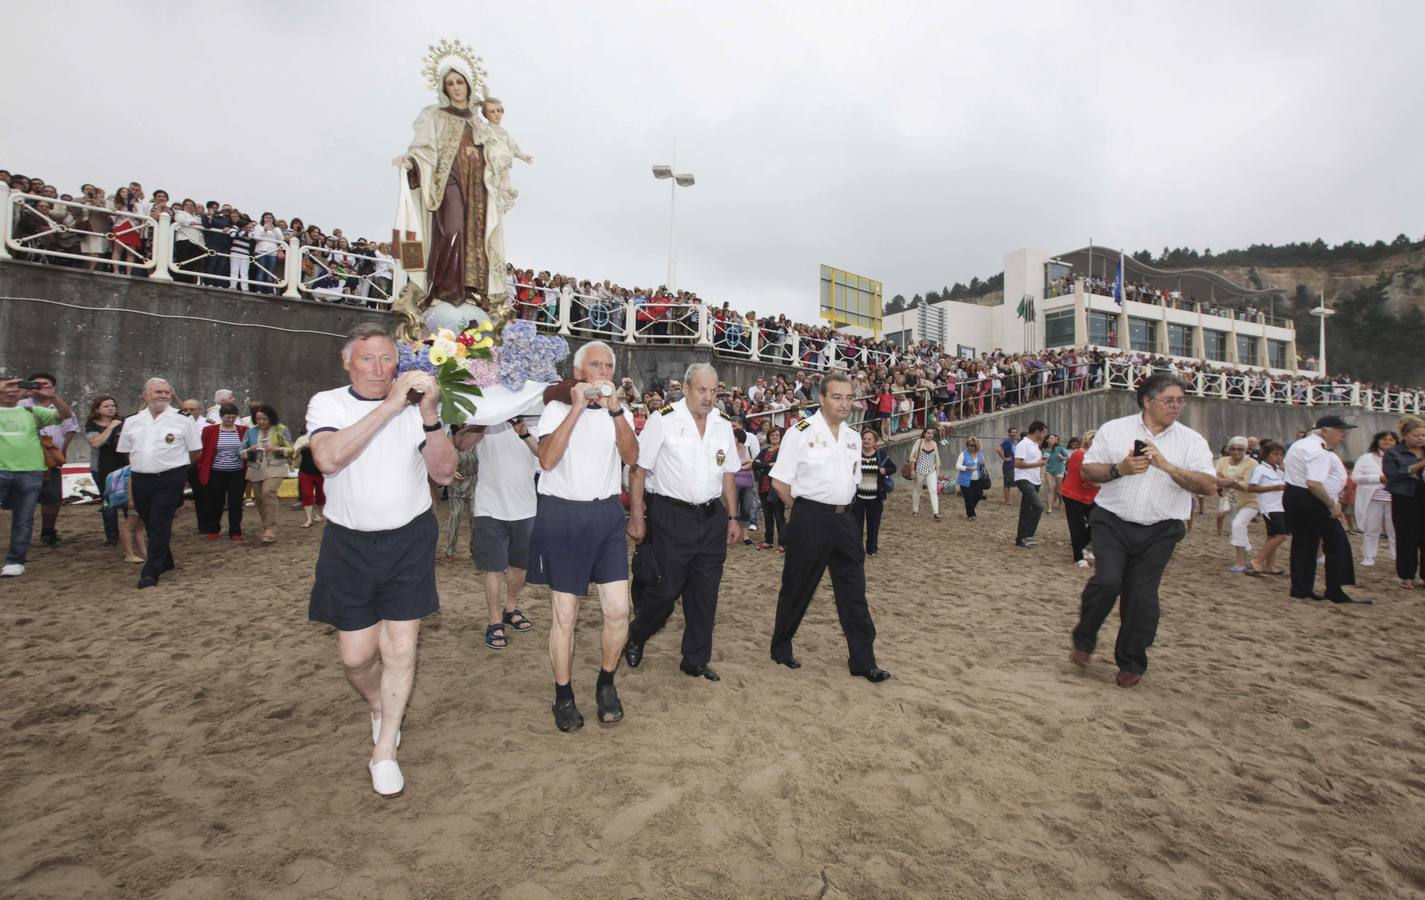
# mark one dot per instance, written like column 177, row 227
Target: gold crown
column 447, row 50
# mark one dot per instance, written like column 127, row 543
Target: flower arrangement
column 481, row 357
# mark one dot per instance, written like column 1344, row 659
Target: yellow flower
column 438, row 356
column 484, row 343
column 460, row 351
column 487, row 326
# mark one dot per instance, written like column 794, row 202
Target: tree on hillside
column 896, row 305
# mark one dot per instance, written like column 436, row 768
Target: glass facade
column 1142, row 335
column 1059, row 328
column 1247, row 350
column 849, row 299
column 1180, row 340
column 1214, row 344
column 1276, row 354
column 1103, row 329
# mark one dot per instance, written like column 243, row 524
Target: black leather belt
column 706, row 509
column 834, row 510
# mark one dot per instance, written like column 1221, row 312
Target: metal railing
column 335, row 276
column 41, row 229
column 1289, row 390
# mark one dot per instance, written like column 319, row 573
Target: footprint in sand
column 631, row 820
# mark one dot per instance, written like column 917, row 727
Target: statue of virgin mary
column 454, row 184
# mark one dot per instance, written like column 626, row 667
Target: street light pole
column 1322, row 313
column 680, row 179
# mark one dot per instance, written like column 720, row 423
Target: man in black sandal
column 687, row 458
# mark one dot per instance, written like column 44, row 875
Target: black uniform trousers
column 1311, row 526
column 689, row 544
column 1129, row 563
column 156, row 499
column 818, row 538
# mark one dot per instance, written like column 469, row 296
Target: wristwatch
column 1113, row 473
column 429, row 428
column 616, row 412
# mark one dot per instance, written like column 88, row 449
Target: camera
column 28, row 385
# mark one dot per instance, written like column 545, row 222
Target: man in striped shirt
column 1150, row 466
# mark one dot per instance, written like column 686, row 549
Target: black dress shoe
column 1311, row 596
column 566, row 716
column 147, row 582
column 790, row 662
column 874, row 675
column 1344, row 598
column 633, row 653
column 704, row 671
column 610, row 710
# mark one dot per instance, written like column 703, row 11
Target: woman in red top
column 1078, row 496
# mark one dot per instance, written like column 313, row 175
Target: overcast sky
column 913, row 143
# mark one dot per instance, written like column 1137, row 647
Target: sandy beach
column 198, row 739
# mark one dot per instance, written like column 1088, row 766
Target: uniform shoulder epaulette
column 724, row 415
column 803, row 425
column 667, row 409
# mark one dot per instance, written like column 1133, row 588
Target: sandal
column 517, row 620
column 495, row 633
column 764, row 546
column 1408, row 585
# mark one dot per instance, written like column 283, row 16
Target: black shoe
column 874, row 675
column 633, row 653
column 610, row 710
column 790, row 662
column 1312, row 596
column 566, row 716
column 1344, row 598
column 49, row 538
column 147, row 582
column 704, row 671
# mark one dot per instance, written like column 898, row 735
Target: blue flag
column 1118, row 282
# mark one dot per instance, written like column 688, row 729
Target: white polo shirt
column 159, row 443
column 504, row 488
column 1153, row 496
column 1028, row 451
column 387, row 485
column 1309, row 460
column 681, row 463
column 590, row 468
column 818, row 466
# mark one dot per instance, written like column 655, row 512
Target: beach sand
column 199, row 740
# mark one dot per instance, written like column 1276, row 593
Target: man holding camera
column 378, row 441
column 1150, row 466
column 22, row 460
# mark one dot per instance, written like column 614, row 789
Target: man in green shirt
column 22, row 462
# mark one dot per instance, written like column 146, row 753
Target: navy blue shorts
column 576, row 542
column 366, row 577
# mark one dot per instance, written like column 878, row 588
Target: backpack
column 116, row 488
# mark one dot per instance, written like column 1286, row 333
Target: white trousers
column 237, row 270
column 1240, row 520
column 1377, row 512
column 930, row 482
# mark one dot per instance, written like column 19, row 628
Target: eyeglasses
column 1170, row 401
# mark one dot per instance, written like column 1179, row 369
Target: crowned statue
column 457, row 191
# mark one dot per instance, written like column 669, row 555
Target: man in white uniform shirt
column 687, row 459
column 1315, row 477
column 1029, row 465
column 161, row 443
column 818, row 467
column 1150, row 466
column 578, row 535
column 507, row 457
column 376, row 567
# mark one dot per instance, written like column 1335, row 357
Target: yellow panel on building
column 848, row 299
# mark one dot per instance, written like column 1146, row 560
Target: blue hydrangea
column 418, row 358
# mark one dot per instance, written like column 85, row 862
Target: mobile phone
column 1140, row 448
column 28, row 385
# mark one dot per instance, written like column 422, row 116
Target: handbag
column 54, row 453
column 405, row 236
column 983, row 482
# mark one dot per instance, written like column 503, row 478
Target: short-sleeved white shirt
column 591, row 468
column 1153, row 496
column 387, row 484
column 504, row 488
column 1028, row 450
column 159, row 443
column 1266, row 476
column 1309, row 460
column 681, row 463
column 818, row 466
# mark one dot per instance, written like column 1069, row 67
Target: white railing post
column 630, row 322
column 162, row 248
column 1197, row 383
column 566, row 311
column 704, row 325
column 5, row 221
column 1355, row 393
column 752, row 340
column 292, row 270
column 795, row 348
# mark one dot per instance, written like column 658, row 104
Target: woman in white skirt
column 1372, row 499
column 925, row 463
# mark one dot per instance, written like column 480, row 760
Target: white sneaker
column 1368, row 562
column 1082, row 564
column 751, row 527
column 386, row 778
column 12, row 569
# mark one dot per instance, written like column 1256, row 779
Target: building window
column 1276, row 354
column 1214, row 344
column 1179, row 340
column 1103, row 329
column 1059, row 328
column 1142, row 335
column 1246, row 350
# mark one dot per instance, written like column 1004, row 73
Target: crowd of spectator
column 1143, row 292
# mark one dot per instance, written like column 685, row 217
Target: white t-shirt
column 159, row 444
column 1266, row 476
column 681, row 463
column 590, row 468
column 387, row 485
column 1028, row 451
column 504, row 489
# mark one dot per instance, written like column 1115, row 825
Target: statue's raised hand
column 404, row 161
